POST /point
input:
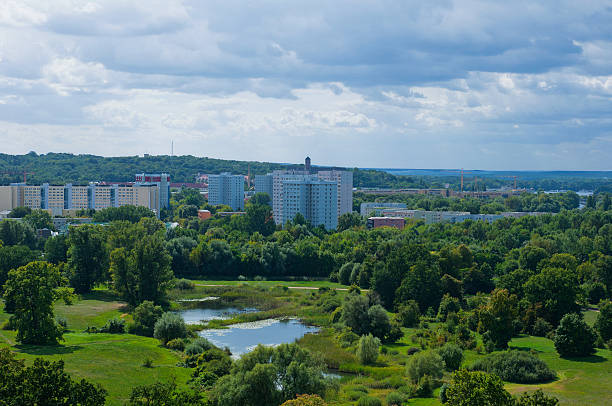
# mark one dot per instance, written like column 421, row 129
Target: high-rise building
column 264, row 184
column 53, row 198
column 226, row 188
column 315, row 199
column 162, row 181
column 344, row 181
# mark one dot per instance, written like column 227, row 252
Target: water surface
column 244, row 337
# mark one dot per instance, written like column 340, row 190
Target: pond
column 202, row 315
column 244, row 337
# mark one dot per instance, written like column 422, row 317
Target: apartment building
column 226, row 188
column 61, row 200
column 316, row 200
column 366, row 209
column 344, row 182
column 161, row 180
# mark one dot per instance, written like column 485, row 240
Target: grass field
column 115, row 361
column 296, row 283
column 112, row 360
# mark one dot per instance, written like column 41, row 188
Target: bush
column 169, row 327
column 409, row 314
column 395, row 399
column 344, row 274
column 114, row 326
column 541, row 327
column 369, row 401
column 177, row 344
column 537, row 398
column 573, row 337
column 443, row 397
column 515, row 366
column 184, row 284
column 380, row 325
column 148, row 363
column 198, row 346
column 145, row 316
column 367, row 349
column 62, row 322
column 452, row 356
column 425, row 363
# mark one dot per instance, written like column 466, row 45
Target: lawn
column 112, row 360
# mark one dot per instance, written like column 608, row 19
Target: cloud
column 388, row 83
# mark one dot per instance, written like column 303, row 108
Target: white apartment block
column 344, row 180
column 226, row 188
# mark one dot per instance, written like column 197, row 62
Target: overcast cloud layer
column 405, row 84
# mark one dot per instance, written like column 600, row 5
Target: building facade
column 161, row 180
column 315, row 199
column 66, row 199
column 344, row 182
column 226, row 188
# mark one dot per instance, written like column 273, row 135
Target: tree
column 380, row 325
column 556, row 290
column 87, row 257
column 355, row 314
column 452, row 355
column 349, row 220
column 143, row 273
column 573, row 337
column 145, row 316
column 422, row 284
column 603, row 324
column 497, row 316
column 258, row 217
column 43, row 383
column 409, row 313
column 428, row 363
column 56, row 249
column 32, row 290
column 367, row 349
column 163, row 394
column 12, row 257
column 39, row 219
column 17, row 233
column 270, row 376
column 476, row 389
column 19, row 212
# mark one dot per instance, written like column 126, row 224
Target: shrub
column 369, row 401
column 395, row 399
column 242, row 278
column 425, row 363
column 176, row 344
column 184, row 284
column 148, row 363
column 344, row 274
column 169, row 327
column 367, row 349
column 61, row 321
column 541, row 327
column 443, row 389
column 603, row 324
column 305, row 400
column 537, row 398
column 573, row 337
column 425, row 387
column 193, row 349
column 515, row 366
column 409, row 314
column 145, row 316
column 114, row 326
column 452, row 355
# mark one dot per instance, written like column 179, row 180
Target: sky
column 501, row 85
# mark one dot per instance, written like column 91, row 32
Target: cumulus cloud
column 393, row 83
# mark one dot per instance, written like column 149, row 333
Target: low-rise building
column 396, row 222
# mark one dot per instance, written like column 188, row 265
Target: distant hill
column 64, row 168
